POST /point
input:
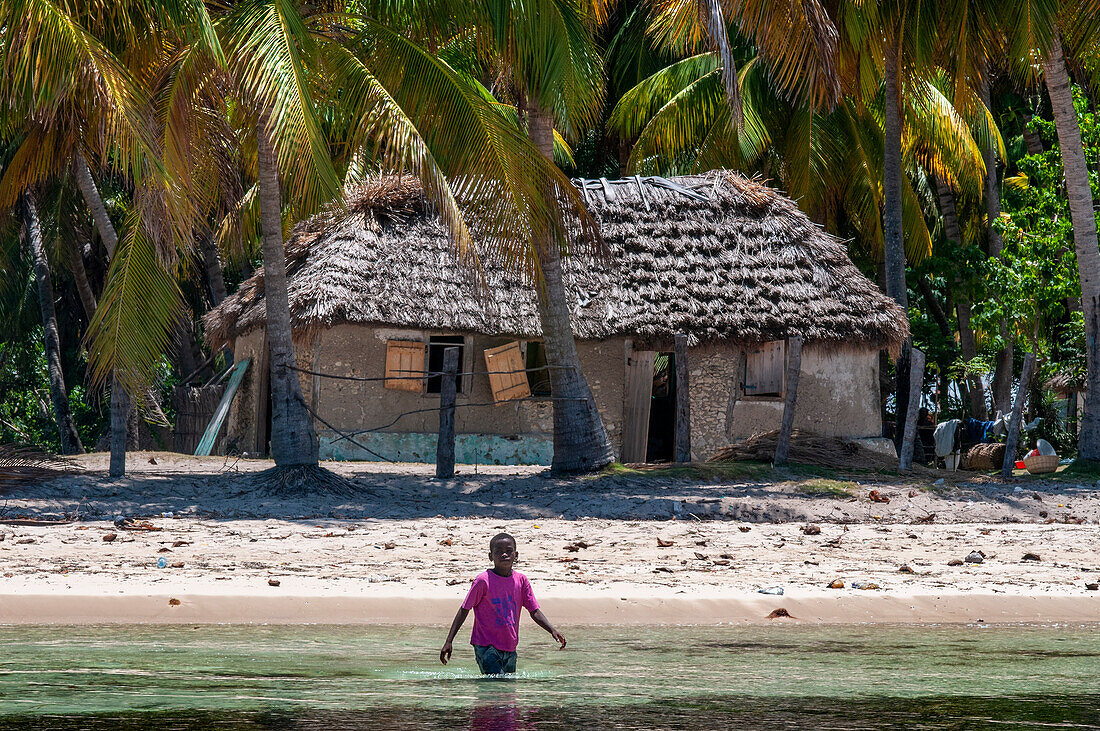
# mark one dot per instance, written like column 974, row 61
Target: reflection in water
column 496, row 709
column 373, row 678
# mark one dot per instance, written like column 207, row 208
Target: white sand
column 340, row 571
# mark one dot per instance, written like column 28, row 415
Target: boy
column 496, row 597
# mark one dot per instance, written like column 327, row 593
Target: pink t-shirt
column 496, row 601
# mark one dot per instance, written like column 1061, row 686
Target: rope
column 343, row 435
column 421, row 375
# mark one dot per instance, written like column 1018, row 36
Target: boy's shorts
column 492, row 661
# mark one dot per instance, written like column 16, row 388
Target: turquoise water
column 773, row 677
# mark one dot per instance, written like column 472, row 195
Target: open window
column 437, row 345
column 507, row 372
column 538, row 374
column 405, row 365
column 765, row 370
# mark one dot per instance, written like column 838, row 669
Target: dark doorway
column 661, row 446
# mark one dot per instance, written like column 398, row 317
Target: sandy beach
column 403, row 547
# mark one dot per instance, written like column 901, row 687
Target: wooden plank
column 507, row 374
column 683, row 401
column 211, row 433
column 639, row 399
column 765, row 369
column 445, row 446
column 405, row 365
column 794, row 366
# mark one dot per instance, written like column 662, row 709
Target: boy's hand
column 558, row 637
column 445, row 653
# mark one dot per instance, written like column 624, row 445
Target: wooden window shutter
column 765, row 368
column 507, row 376
column 405, row 365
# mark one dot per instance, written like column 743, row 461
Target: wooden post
column 916, row 382
column 790, row 397
column 683, row 403
column 445, row 447
column 1017, row 416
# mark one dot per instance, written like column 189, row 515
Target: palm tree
column 1050, row 30
column 404, row 108
column 45, row 49
column 32, row 229
column 546, row 52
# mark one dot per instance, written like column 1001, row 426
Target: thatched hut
column 375, row 290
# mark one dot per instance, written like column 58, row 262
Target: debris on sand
column 836, row 584
column 877, row 497
column 662, row 543
column 273, row 582
column 805, row 448
column 780, row 612
column 975, row 557
column 1031, row 557
column 811, row 529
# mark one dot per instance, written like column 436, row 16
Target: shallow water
column 772, row 677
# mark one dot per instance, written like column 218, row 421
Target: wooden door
column 639, row 395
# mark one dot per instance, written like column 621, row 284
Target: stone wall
column 837, row 396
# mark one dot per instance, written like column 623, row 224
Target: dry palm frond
column 24, row 464
column 806, row 448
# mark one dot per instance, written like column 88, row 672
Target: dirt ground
column 699, row 535
column 230, row 488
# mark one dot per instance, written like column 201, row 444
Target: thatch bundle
column 730, row 260
column 984, row 457
column 807, row 448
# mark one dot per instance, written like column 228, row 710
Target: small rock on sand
column 975, row 557
column 1031, row 557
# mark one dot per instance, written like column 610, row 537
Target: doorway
column 661, row 445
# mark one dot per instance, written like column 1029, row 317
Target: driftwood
column 1017, row 416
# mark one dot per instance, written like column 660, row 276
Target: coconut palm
column 69, row 95
column 286, row 67
column 546, row 53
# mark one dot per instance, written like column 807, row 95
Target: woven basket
column 1040, row 464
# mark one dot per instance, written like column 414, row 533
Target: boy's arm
column 456, row 625
column 542, row 621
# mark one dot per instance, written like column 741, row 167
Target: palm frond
column 129, row 334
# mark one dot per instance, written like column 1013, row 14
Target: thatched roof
column 729, row 258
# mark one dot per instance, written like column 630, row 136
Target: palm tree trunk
column 80, row 277
column 1002, row 375
column 1083, row 217
column 106, row 229
column 293, row 441
column 70, row 439
column 580, row 439
column 1032, row 141
column 967, row 342
column 213, row 265
column 94, row 201
column 894, row 243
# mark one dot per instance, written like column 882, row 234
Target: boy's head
column 502, row 551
